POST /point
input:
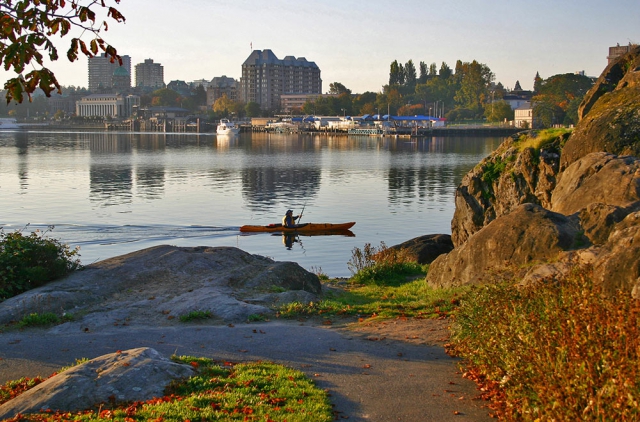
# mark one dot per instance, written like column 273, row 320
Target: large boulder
column 527, row 235
column 597, row 178
column 425, row 249
column 609, row 113
column 156, row 285
column 131, row 375
column 522, row 170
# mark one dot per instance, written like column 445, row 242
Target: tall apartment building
column 149, row 75
column 265, row 78
column 101, row 72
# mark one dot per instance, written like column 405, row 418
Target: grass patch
column 385, row 284
column 195, row 316
column 219, row 391
column 43, row 320
column 257, row 318
column 540, row 139
column 556, row 351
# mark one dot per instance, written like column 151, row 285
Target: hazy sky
column 354, row 42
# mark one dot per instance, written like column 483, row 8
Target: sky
column 354, row 42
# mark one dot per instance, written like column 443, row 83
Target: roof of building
column 262, row 57
column 120, row 71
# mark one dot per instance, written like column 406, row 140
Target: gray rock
column 131, row 375
column 425, row 249
column 486, row 193
column 619, row 267
column 597, row 178
column 155, row 286
column 527, row 235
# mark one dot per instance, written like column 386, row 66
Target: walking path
column 392, row 371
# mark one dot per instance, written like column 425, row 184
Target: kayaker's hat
column 289, row 211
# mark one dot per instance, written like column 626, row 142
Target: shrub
column 561, row 350
column 29, row 261
column 382, row 265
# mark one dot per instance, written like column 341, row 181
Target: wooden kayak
column 299, row 228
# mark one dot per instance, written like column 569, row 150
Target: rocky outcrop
column 155, row 286
column 121, row 377
column 522, row 170
column 527, row 235
column 586, row 191
column 610, row 113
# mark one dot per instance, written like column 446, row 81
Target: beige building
column 107, row 105
column 619, row 50
column 523, row 116
column 149, row 75
column 290, row 102
column 265, row 78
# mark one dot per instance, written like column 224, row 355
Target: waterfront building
column 619, row 50
column 149, row 75
column 265, row 78
column 219, row 86
column 523, row 116
column 107, row 105
column 101, row 72
column 291, row 102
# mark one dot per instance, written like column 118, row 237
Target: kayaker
column 289, row 220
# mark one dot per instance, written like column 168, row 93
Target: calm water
column 113, row 193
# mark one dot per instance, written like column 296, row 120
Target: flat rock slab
column 124, row 376
column 156, row 286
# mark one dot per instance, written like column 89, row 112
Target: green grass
column 541, row 138
column 413, row 299
column 195, row 316
column 259, row 391
column 564, row 350
column 42, row 320
column 385, row 284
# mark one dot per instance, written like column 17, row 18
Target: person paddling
column 289, row 220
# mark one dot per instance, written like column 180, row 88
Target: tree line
column 466, row 92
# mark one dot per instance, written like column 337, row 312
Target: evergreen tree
column 423, row 73
column 410, row 75
column 537, row 83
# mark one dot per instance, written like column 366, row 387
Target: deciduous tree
column 27, row 30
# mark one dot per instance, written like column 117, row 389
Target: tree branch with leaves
column 26, row 33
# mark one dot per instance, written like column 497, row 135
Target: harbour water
column 113, row 193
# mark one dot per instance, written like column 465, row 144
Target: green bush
column 382, row 265
column 560, row 350
column 29, row 261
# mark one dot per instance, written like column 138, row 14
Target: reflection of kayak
column 346, row 233
column 299, row 228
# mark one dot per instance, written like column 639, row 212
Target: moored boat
column 299, row 228
column 226, row 127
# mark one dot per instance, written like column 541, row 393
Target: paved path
column 369, row 377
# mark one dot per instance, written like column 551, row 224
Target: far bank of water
column 113, row 193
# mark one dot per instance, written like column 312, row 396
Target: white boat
column 9, row 124
column 225, row 127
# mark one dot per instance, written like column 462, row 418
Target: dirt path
column 390, row 371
